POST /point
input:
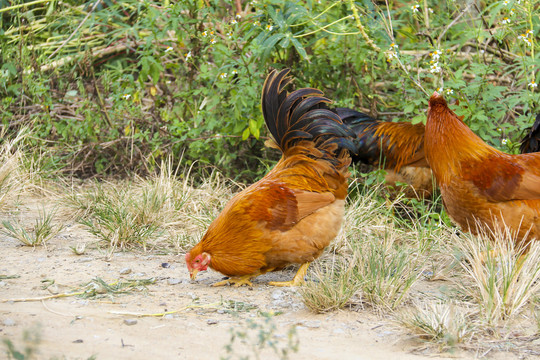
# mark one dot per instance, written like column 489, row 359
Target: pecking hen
column 481, row 187
column 294, row 211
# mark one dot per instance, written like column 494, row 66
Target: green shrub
column 117, row 87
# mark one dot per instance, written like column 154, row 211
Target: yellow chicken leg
column 238, row 281
column 297, row 280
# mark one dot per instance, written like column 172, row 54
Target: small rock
column 165, row 265
column 2, row 283
column 338, row 331
column 221, row 311
column 130, row 321
column 163, row 304
column 84, row 259
column 281, row 304
column 169, row 316
column 78, row 341
column 313, row 324
column 277, row 294
column 125, row 271
column 9, row 322
column 211, row 321
column 174, row 281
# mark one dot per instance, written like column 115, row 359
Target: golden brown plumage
column 292, row 213
column 480, row 184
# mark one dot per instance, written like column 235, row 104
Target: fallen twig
column 41, row 298
column 166, row 312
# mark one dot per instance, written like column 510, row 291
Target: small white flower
column 505, row 20
column 213, row 41
column 435, row 55
column 223, row 75
column 499, row 129
column 415, row 8
column 393, row 46
column 188, row 55
column 528, row 32
column 504, row 141
column 435, row 68
column 449, row 91
column 440, row 89
column 238, row 16
column 234, row 72
column 525, row 37
column 257, row 23
column 126, row 96
column 533, row 85
column 430, row 10
column 391, row 55
column 168, row 49
column 234, row 22
column 204, row 33
column 506, row 2
column 229, row 34
column 269, row 27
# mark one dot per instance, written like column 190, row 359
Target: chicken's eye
column 198, row 261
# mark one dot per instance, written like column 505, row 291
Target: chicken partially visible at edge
column 480, row 185
column 296, row 210
column 531, row 141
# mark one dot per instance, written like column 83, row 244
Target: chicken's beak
column 193, row 274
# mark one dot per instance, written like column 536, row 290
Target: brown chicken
column 292, row 213
column 397, row 147
column 481, row 187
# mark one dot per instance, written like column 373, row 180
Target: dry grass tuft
column 142, row 212
column 444, row 323
column 42, row 231
column 332, row 286
column 503, row 277
column 16, row 176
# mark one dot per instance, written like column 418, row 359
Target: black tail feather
column 531, row 141
column 368, row 144
column 302, row 115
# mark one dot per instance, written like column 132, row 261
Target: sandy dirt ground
column 78, row 328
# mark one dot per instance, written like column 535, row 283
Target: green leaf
column 245, row 134
column 299, row 48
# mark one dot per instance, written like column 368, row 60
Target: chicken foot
column 237, row 281
column 297, row 280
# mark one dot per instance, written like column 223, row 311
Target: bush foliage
column 109, row 87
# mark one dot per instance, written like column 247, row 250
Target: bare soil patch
column 201, row 318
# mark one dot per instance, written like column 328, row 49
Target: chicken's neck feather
column 450, row 143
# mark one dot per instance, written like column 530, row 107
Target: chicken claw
column 236, row 281
column 297, row 280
